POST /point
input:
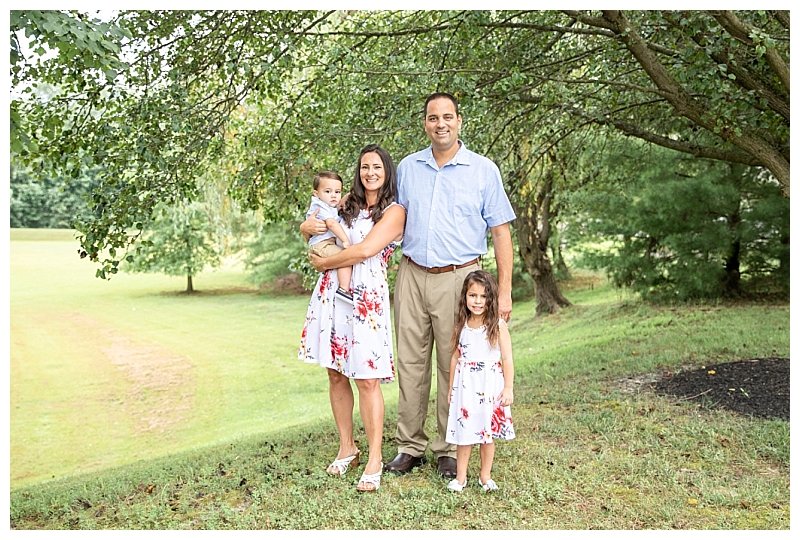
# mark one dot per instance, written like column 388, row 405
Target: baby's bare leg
column 345, row 274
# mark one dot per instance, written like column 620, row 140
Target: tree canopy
column 153, row 96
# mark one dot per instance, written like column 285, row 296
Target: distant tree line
column 48, row 202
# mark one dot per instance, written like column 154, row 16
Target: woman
column 355, row 341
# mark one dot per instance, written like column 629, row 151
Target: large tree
column 712, row 84
column 284, row 93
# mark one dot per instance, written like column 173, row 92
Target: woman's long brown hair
column 491, row 319
column 357, row 200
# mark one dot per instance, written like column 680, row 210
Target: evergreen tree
column 686, row 230
column 276, row 251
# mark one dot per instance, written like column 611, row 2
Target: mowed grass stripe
column 69, row 404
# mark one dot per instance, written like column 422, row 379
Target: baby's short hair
column 326, row 174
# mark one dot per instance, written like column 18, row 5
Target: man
column 452, row 197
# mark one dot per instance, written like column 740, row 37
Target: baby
column 325, row 198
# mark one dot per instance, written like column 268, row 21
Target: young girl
column 481, row 379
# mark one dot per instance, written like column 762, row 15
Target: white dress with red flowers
column 476, row 415
column 354, row 340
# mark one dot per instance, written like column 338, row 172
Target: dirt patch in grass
column 756, row 387
column 159, row 393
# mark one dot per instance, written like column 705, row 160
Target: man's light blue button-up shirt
column 449, row 210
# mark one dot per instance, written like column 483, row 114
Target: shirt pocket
column 466, row 205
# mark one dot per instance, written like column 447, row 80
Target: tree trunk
column 783, row 259
column 731, row 285
column 561, row 268
column 548, row 295
column 189, row 287
column 732, row 282
column 533, row 233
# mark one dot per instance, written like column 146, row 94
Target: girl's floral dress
column 354, row 340
column 476, row 415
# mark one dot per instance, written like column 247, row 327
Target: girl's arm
column 386, row 231
column 453, row 363
column 507, row 395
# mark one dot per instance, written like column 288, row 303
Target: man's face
column 442, row 124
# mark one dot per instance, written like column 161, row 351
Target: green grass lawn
column 241, row 442
column 110, row 372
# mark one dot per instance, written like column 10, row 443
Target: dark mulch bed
column 757, row 387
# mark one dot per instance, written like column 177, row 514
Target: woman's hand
column 317, row 262
column 312, row 226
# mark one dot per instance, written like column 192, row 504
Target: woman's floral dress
column 476, row 415
column 354, row 340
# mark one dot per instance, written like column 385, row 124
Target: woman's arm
column 507, row 396
column 386, row 231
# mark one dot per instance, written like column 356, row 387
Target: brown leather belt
column 442, row 269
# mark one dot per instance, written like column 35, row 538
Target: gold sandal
column 338, row 467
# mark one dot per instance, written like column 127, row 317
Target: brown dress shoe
column 447, row 466
column 403, row 463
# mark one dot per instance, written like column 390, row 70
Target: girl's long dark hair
column 357, row 200
column 491, row 319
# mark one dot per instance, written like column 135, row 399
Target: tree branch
column 782, row 17
column 688, row 107
column 742, row 31
column 743, row 77
column 709, row 152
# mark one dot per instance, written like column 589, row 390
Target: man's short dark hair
column 437, row 95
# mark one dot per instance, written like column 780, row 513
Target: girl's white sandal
column 455, row 485
column 373, row 480
column 339, row 466
column 489, row 485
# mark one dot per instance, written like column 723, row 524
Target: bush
column 278, row 250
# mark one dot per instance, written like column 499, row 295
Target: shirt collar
column 461, row 157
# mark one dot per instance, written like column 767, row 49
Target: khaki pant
column 424, row 314
column 326, row 248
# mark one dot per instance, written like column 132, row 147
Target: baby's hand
column 345, row 245
column 507, row 397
